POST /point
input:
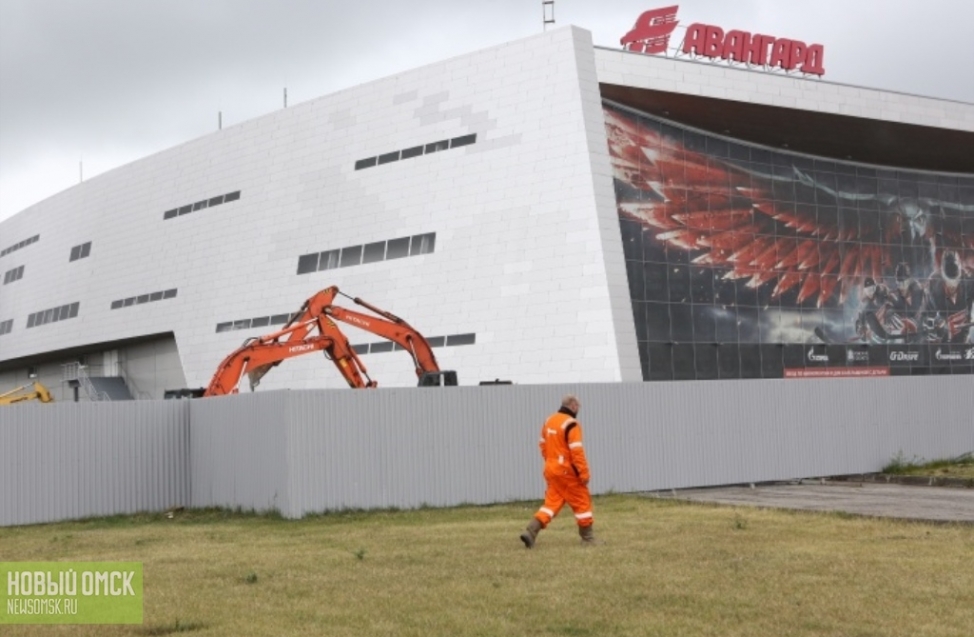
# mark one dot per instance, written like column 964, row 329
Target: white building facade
column 478, row 198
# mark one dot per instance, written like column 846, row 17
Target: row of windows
column 369, row 253
column 12, row 275
column 434, row 341
column 6, row 326
column 261, row 321
column 199, row 205
column 706, row 361
column 144, row 298
column 22, row 244
column 416, row 151
column 53, row 315
column 80, row 252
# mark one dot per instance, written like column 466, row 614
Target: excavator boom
column 37, row 391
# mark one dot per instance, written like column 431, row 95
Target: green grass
column 960, row 467
column 665, row 568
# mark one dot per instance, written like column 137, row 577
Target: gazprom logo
column 969, row 354
column 948, row 356
column 818, row 358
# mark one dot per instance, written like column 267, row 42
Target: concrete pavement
column 929, row 504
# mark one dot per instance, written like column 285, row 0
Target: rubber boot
column 531, row 533
column 588, row 535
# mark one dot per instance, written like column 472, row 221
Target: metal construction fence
column 300, row 452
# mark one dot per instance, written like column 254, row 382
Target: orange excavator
column 313, row 329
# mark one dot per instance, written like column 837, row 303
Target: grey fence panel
column 76, row 460
column 406, row 448
column 238, row 451
column 310, row 451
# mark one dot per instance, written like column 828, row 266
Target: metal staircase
column 76, row 374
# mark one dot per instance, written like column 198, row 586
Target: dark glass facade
column 749, row 262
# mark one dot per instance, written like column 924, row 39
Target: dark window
column 48, row 316
column 389, row 157
column 415, row 151
column 278, row 319
column 85, row 249
column 365, row 163
column 466, row 140
column 328, row 260
column 423, row 244
column 231, row 196
column 185, row 210
column 75, row 253
column 308, row 263
column 30, row 320
column 74, row 309
column 241, row 325
column 155, row 296
column 215, row 201
column 65, row 312
column 351, row 255
column 260, row 322
column 377, row 348
column 374, row 252
column 360, row 349
column 437, row 146
column 130, row 301
column 168, row 294
column 142, row 298
column 398, row 248
column 460, row 339
column 169, row 214
column 116, row 304
column 199, row 205
column 436, row 341
column 223, row 327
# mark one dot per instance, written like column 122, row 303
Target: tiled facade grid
column 522, row 194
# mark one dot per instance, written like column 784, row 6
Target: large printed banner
column 783, row 262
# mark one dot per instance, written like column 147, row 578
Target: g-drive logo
column 904, row 357
column 652, row 31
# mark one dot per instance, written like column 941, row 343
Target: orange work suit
column 565, row 469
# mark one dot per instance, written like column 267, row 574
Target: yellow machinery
column 24, row 393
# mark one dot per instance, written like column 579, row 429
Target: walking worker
column 566, row 472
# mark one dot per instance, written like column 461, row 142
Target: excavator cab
column 438, row 379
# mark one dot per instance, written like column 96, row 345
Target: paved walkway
column 937, row 504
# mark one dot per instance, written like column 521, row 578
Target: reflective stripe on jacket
column 561, row 447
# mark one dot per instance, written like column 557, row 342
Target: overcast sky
column 106, row 82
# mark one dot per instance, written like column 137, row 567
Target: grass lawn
column 956, row 468
column 665, row 568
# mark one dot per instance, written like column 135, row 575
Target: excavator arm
column 257, row 356
column 26, row 392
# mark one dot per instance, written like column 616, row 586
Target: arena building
column 544, row 211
